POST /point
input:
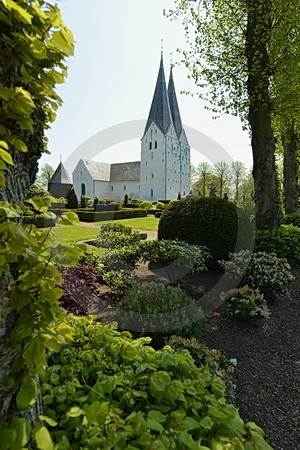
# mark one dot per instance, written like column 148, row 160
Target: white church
column 164, row 169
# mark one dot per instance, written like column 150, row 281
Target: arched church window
column 152, row 175
column 83, row 189
column 150, row 145
column 151, row 192
column 155, row 144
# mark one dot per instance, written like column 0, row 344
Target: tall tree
column 238, row 171
column 204, row 169
column 221, row 169
column 239, row 43
column 44, row 176
column 34, row 44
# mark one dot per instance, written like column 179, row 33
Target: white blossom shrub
column 272, row 275
column 245, row 303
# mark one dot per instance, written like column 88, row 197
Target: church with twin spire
column 164, row 169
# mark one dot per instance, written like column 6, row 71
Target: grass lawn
column 142, row 223
column 68, row 234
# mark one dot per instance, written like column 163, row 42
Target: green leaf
column 19, row 299
column 8, row 437
column 75, row 412
column 207, row 423
column 4, row 144
column 68, row 218
column 97, row 412
column 27, row 394
column 6, row 157
column 155, row 426
column 43, row 439
column 48, row 420
column 157, row 416
column 22, row 427
column 39, row 203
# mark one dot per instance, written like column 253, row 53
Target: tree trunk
column 290, row 141
column 267, row 214
column 18, row 180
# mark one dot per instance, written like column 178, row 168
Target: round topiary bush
column 211, row 222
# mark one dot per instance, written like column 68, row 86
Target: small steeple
column 60, row 175
column 174, row 104
column 160, row 112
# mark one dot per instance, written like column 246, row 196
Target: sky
column 112, row 76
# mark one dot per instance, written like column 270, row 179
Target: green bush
column 158, row 310
column 122, row 237
column 39, row 220
column 292, row 219
column 146, row 205
column 202, row 355
column 107, row 391
column 159, row 205
column 158, row 214
column 122, row 259
column 98, row 216
column 174, row 202
column 72, row 201
column 118, row 205
column 96, row 201
column 245, row 303
column 119, row 281
column 211, row 222
column 180, row 253
column 261, row 270
column 37, row 191
column 285, row 242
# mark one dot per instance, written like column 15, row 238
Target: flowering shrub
column 165, row 252
column 153, row 307
column 245, row 303
column 79, row 285
column 260, row 270
column 117, row 236
column 202, row 355
column 119, row 281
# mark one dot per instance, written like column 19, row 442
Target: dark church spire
column 174, row 105
column 160, row 112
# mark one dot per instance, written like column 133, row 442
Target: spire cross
column 162, row 45
column 171, row 59
column 60, row 157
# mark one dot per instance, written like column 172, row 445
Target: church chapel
column 164, row 169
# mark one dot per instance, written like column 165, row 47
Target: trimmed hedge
column 211, row 222
column 292, row 219
column 38, row 221
column 285, row 242
column 131, row 205
column 94, row 216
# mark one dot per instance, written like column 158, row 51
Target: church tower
column 165, row 152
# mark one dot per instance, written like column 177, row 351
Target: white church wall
column 102, row 189
column 118, row 189
column 81, row 176
column 153, row 173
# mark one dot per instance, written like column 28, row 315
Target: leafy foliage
column 78, row 287
column 217, row 363
column 174, row 252
column 285, row 242
column 159, row 205
column 36, row 36
column 211, row 222
column 292, row 219
column 261, row 270
column 117, row 236
column 146, row 205
column 157, row 309
column 245, row 303
column 105, row 390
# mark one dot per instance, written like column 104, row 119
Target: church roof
column 60, row 176
column 129, row 171
column 99, row 171
column 174, row 106
column 160, row 112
